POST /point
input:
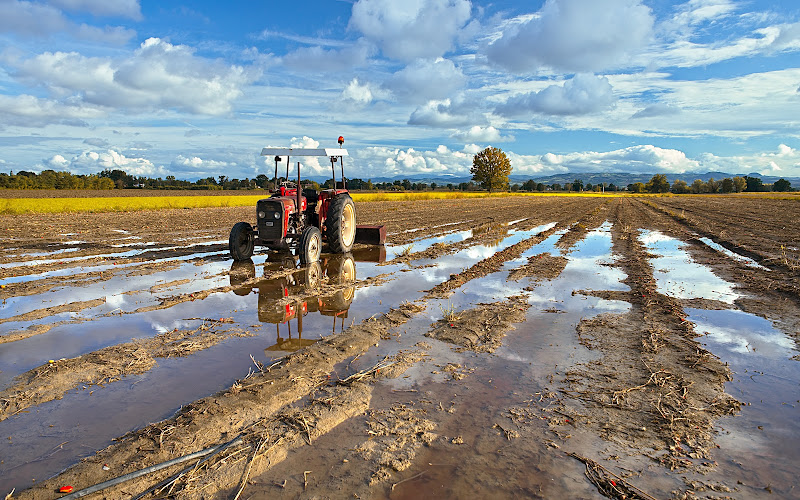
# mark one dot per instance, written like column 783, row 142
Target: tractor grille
column 270, row 227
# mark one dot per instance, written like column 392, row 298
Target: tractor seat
column 311, row 195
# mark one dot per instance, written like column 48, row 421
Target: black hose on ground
column 147, row 470
column 177, row 476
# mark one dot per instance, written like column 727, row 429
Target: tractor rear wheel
column 310, row 245
column 340, row 226
column 241, row 242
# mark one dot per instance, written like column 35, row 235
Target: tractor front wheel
column 310, row 245
column 241, row 242
column 340, row 226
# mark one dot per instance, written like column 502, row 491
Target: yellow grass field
column 21, row 205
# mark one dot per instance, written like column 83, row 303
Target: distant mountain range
column 620, row 179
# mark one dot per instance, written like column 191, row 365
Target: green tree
column 657, row 184
column 491, row 168
column 739, row 184
column 727, row 185
column 782, row 185
column 754, row 184
column 680, row 187
column 636, row 187
column 577, row 185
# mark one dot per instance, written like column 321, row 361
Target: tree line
column 659, row 184
column 118, row 179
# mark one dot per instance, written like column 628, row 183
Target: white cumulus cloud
column 29, row 111
column 34, row 20
column 425, row 80
column 400, row 162
column 477, row 133
column 90, row 162
column 357, row 93
column 642, row 158
column 158, row 75
column 583, row 94
column 411, row 29
column 448, row 113
column 575, row 35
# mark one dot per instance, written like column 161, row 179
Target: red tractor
column 293, row 218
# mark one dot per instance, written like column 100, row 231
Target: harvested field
column 545, row 347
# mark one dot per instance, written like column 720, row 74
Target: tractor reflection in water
column 286, row 294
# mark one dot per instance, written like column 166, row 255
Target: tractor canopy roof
column 303, row 152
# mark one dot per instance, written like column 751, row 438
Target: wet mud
column 540, row 347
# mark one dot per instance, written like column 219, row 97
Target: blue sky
column 196, row 89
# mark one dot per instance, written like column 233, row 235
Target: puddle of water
column 758, row 446
column 104, row 267
column 117, row 255
column 678, row 276
column 42, row 254
column 735, row 256
column 392, row 251
column 535, row 342
column 521, row 367
column 85, row 420
column 543, row 345
column 435, row 227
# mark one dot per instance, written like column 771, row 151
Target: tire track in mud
column 53, row 310
column 757, row 237
column 494, row 231
column 774, row 295
column 655, row 387
column 576, row 231
column 749, row 223
column 693, row 226
column 98, row 368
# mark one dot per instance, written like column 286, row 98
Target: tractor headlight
column 261, row 214
column 277, row 215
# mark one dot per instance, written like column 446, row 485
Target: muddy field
column 517, row 347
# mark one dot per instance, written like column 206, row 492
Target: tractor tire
column 309, row 247
column 340, row 226
column 341, row 270
column 241, row 242
column 312, row 275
